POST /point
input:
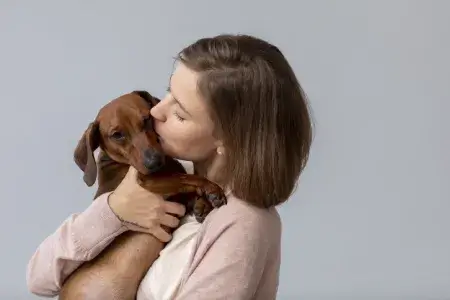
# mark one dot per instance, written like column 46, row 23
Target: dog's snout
column 153, row 161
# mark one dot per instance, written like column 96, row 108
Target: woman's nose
column 157, row 112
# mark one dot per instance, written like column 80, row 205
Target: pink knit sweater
column 237, row 254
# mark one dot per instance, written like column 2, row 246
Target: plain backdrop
column 371, row 216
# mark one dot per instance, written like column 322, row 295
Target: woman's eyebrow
column 181, row 105
column 176, row 99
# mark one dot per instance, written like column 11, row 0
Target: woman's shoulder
column 242, row 244
column 241, row 215
column 247, row 218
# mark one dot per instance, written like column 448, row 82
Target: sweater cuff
column 98, row 225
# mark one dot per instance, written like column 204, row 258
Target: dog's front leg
column 184, row 183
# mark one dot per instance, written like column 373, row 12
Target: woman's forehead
column 183, row 87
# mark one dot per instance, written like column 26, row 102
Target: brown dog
column 123, row 130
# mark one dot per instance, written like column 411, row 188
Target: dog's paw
column 202, row 208
column 217, row 199
column 214, row 194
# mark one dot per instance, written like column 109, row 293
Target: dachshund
column 123, row 131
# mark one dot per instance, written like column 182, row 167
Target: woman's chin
column 182, row 153
column 178, row 155
column 169, row 151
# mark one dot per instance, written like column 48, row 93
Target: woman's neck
column 211, row 169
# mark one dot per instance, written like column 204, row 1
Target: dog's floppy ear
column 84, row 153
column 152, row 101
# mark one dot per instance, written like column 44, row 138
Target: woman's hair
column 260, row 113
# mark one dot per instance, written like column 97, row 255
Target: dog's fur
column 123, row 130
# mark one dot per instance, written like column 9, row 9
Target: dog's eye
column 117, row 135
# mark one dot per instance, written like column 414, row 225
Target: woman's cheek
column 177, row 136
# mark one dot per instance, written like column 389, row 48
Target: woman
column 236, row 110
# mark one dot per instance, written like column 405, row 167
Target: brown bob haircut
column 260, row 113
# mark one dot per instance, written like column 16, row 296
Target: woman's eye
column 181, row 119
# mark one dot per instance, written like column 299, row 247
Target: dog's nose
column 153, row 161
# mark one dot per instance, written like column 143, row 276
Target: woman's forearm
column 80, row 238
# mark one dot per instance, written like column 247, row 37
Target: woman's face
column 182, row 120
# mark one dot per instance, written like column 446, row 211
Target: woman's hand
column 142, row 210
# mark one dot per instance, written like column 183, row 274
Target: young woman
column 235, row 109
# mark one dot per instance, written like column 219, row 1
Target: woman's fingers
column 170, row 221
column 158, row 232
column 174, row 208
column 161, row 234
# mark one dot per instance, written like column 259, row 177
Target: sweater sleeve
column 78, row 239
column 232, row 266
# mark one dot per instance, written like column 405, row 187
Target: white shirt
column 163, row 278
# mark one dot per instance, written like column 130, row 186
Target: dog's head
column 124, row 130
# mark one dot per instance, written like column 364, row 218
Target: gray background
column 370, row 219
